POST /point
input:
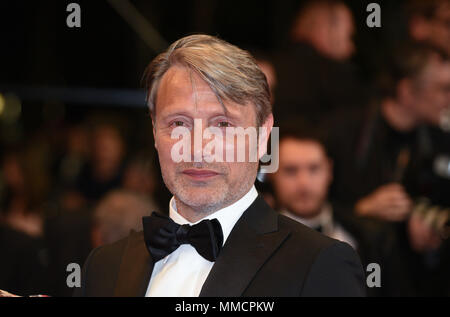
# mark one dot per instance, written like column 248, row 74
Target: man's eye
column 314, row 169
column 177, row 123
column 224, row 124
column 291, row 171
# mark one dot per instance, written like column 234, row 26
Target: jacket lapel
column 252, row 241
column 136, row 268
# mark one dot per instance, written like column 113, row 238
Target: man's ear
column 264, row 139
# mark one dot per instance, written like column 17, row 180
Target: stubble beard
column 204, row 198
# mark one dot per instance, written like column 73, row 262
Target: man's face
column 182, row 98
column 107, row 148
column 341, row 30
column 432, row 94
column 304, row 175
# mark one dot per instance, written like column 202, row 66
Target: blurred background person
column 91, row 165
column 314, row 72
column 68, row 166
column 301, row 188
column 23, row 261
column 23, row 265
column 74, row 155
column 429, row 22
column 117, row 213
column 140, row 175
column 104, row 171
column 22, row 194
column 72, row 235
column 301, row 183
column 384, row 161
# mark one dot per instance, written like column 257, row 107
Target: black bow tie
column 163, row 236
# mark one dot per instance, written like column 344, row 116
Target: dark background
column 39, row 49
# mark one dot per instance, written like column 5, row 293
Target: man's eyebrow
column 213, row 114
column 291, row 166
column 227, row 115
column 173, row 114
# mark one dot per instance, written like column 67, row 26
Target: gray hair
column 231, row 73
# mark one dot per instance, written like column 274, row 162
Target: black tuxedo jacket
column 266, row 254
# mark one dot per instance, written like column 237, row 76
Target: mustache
column 216, row 167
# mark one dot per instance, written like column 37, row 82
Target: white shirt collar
column 227, row 216
column 324, row 218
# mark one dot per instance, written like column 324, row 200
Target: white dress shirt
column 183, row 272
column 329, row 227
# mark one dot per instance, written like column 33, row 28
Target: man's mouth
column 200, row 174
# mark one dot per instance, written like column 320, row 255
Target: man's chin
column 202, row 197
column 306, row 211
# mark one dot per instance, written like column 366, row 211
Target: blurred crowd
column 55, row 213
column 364, row 162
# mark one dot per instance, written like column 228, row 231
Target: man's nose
column 198, row 142
column 303, row 178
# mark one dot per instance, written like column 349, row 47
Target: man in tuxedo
column 221, row 238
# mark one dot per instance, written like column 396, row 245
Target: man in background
column 385, row 160
column 302, row 181
column 429, row 22
column 314, row 73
